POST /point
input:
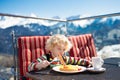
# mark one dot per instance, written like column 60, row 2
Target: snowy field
column 109, row 51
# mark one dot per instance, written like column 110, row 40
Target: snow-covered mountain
column 103, row 30
column 6, row 22
column 12, row 21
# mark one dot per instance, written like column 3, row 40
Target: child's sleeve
column 32, row 65
column 77, row 61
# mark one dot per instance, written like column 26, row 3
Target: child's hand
column 43, row 64
column 55, row 61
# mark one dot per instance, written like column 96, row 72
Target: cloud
column 83, row 23
column 11, row 21
column 33, row 15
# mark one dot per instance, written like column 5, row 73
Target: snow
column 82, row 23
column 11, row 21
column 110, row 51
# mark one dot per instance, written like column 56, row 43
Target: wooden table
column 112, row 73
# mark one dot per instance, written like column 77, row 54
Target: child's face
column 57, row 50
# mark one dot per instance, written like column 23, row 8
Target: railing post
column 14, row 55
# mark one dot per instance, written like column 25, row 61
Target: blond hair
column 58, row 41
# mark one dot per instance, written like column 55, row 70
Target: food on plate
column 70, row 68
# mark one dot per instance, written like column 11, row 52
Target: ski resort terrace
column 104, row 28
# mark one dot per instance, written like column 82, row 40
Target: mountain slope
column 100, row 28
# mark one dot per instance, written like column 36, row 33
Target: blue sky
column 61, row 8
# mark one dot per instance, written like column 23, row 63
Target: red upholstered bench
column 32, row 47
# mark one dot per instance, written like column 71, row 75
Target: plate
column 96, row 70
column 57, row 69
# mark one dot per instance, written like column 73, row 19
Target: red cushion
column 83, row 46
column 29, row 49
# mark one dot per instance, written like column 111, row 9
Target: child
column 57, row 45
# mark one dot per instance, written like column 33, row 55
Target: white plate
column 57, row 68
column 96, row 70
